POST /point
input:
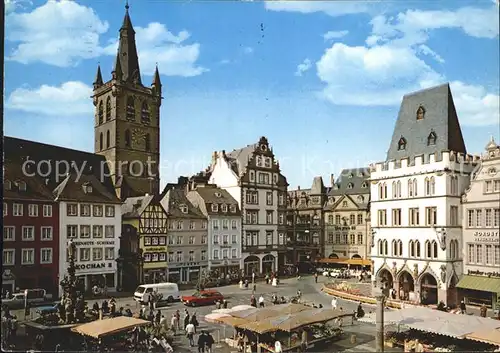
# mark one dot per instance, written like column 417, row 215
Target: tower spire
column 156, row 77
column 98, row 77
column 127, row 51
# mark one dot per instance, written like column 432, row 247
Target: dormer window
column 361, row 174
column 8, row 185
column 258, row 161
column 21, row 185
column 331, row 200
column 361, row 199
column 402, row 144
column 218, row 194
column 364, row 185
column 183, row 208
column 224, row 208
column 215, row 207
column 350, row 185
column 420, row 113
column 232, row 208
column 344, row 203
column 267, row 162
column 431, row 139
column 87, row 188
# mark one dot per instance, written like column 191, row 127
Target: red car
column 204, row 297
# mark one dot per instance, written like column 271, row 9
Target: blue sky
column 322, row 80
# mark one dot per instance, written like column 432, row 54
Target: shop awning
column 363, row 262
column 484, row 284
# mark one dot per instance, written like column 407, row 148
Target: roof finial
column 126, row 5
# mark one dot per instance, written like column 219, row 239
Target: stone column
column 379, row 337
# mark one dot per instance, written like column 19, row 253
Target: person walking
column 261, row 301
column 187, row 320
column 178, row 316
column 174, row 322
column 194, row 321
column 463, row 308
column 190, row 333
column 209, row 342
column 202, row 342
column 316, row 277
column 483, row 310
column 334, row 303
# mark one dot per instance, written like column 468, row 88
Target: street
column 311, row 293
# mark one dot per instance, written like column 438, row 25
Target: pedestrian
column 194, row 321
column 202, row 342
column 253, row 301
column 158, row 317
column 254, row 287
column 303, row 341
column 174, row 323
column 316, row 277
column 187, row 319
column 224, row 304
column 334, row 303
column 209, row 342
column 483, row 310
column 277, row 347
column 178, row 316
column 261, row 301
column 463, row 308
column 190, row 334
column 163, row 321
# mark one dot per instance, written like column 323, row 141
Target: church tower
column 127, row 120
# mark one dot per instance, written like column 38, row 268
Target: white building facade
column 481, row 240
column 252, row 177
column 416, row 201
column 95, row 229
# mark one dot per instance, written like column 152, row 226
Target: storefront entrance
column 406, row 285
column 385, row 280
column 251, row 265
column 268, row 264
column 428, row 290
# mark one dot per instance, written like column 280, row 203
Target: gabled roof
column 133, row 207
column 215, row 195
column 439, row 116
column 53, row 160
column 36, row 189
column 342, row 199
column 239, row 158
column 73, row 188
column 172, row 202
column 357, row 177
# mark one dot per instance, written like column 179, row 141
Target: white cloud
column 71, row 98
column 59, row 33
column 70, row 32
column 331, row 8
column 475, row 106
column 394, row 62
column 334, row 35
column 303, row 67
column 248, row 50
column 12, row 5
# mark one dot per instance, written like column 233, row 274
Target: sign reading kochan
column 60, row 168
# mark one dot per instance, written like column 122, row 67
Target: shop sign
column 486, row 237
column 91, row 243
column 93, row 266
column 481, row 273
column 157, row 249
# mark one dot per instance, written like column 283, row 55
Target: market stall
column 486, row 336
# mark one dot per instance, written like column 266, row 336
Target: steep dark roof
column 357, row 177
column 35, row 185
column 133, row 207
column 52, row 160
column 73, row 188
column 440, row 117
column 210, row 195
column 172, row 202
column 239, row 158
column 317, row 188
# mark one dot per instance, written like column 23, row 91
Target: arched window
column 420, row 113
column 100, row 142
column 454, row 185
column 417, row 248
column 432, row 185
column 434, row 249
column 145, row 117
column 386, row 247
column 147, row 141
column 428, row 252
column 402, row 144
column 411, row 247
column 380, row 247
column 101, row 113
column 410, row 188
column 130, row 108
column 394, row 248
column 398, row 186
column 427, row 187
column 108, row 139
column 394, row 190
column 415, row 187
column 127, row 138
column 382, row 190
column 400, row 248
column 431, row 139
column 108, row 109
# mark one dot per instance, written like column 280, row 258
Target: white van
column 169, row 292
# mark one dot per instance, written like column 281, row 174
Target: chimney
column 332, row 179
column 298, row 187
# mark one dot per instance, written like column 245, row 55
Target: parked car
column 204, row 297
column 46, row 310
column 16, row 301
